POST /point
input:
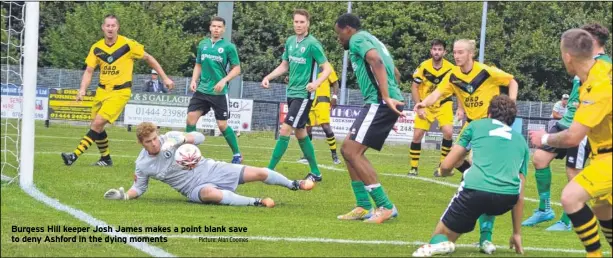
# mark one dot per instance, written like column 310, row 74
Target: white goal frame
column 30, row 71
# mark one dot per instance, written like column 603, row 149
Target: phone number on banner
column 71, row 116
column 160, row 115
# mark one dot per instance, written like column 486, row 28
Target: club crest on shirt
column 167, row 154
column 302, row 49
column 109, row 59
column 220, row 50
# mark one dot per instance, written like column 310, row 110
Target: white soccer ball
column 188, row 156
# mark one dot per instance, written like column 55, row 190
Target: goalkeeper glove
column 173, row 139
column 116, row 194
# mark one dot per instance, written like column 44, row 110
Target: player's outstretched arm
column 120, row 194
column 565, row 139
column 195, row 138
column 153, row 63
column 515, row 242
column 429, row 100
column 456, row 154
column 280, row 70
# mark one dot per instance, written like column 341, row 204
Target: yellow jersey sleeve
column 418, row 75
column 333, row 77
column 137, row 50
column 445, row 87
column 594, row 106
column 91, row 60
column 501, row 78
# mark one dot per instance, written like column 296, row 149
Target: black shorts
column 298, row 112
column 373, row 125
column 468, row 205
column 576, row 157
column 204, row 103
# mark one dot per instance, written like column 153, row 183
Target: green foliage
column 522, row 37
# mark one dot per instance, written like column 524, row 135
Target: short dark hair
column 578, row 42
column 217, row 18
column 600, row 33
column 302, row 12
column 503, row 109
column 438, row 42
column 350, row 20
column 111, row 16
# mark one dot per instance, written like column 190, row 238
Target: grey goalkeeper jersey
column 162, row 167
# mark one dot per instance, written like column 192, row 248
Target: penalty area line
column 81, row 215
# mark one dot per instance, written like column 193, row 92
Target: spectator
column 560, row 107
column 154, row 85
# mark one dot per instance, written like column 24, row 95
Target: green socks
column 230, row 137
column 438, row 239
column 486, row 226
column 309, row 152
column 361, row 195
column 543, row 184
column 379, row 196
column 565, row 218
column 190, row 128
column 278, row 152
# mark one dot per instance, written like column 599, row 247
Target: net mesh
column 12, row 29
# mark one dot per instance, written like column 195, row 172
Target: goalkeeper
column 209, row 182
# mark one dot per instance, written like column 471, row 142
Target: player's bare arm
column 280, row 70
column 376, row 63
column 397, row 75
column 195, row 75
column 513, row 88
column 85, row 81
column 327, row 70
column 153, row 63
column 456, row 154
column 515, row 242
column 564, row 139
column 556, row 115
column 235, row 71
column 415, row 96
column 428, row 101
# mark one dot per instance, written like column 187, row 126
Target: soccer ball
column 188, row 156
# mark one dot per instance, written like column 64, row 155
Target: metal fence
column 266, row 109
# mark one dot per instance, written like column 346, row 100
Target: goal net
column 18, row 58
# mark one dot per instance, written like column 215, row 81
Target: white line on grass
column 81, row 215
column 306, row 239
column 328, row 168
column 364, row 242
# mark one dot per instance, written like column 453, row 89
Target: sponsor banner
column 159, row 99
column 11, row 102
column 342, row 117
column 175, row 115
column 63, row 105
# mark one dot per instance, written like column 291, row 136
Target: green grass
column 297, row 214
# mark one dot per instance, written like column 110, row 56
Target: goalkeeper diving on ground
column 207, row 181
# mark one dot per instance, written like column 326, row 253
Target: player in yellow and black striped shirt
column 426, row 78
column 115, row 54
column 475, row 85
column 594, row 118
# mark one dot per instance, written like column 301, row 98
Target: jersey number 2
column 503, row 131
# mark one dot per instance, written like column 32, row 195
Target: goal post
column 30, row 67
